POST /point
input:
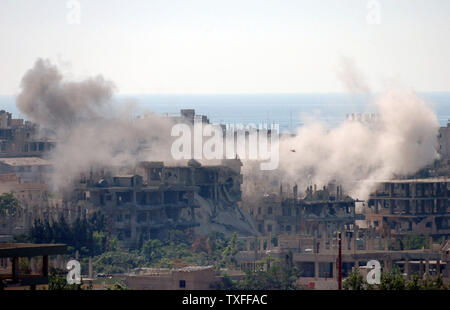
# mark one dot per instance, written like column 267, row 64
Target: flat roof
column 25, row 161
column 30, row 249
column 426, row 180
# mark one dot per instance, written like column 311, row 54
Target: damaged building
column 18, row 138
column 408, row 206
column 154, row 198
column 318, row 212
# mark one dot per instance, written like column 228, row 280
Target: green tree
column 152, row 249
column 355, row 281
column 9, row 205
column 433, row 283
column 58, row 282
column 392, row 280
column 229, row 252
column 279, row 276
column 414, row 283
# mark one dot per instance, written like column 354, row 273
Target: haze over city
column 205, row 46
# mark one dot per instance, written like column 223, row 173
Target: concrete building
column 36, row 202
column 19, row 138
column 316, row 258
column 400, row 207
column 27, row 169
column 186, row 278
column 444, row 142
column 318, row 212
column 10, row 275
column 154, row 198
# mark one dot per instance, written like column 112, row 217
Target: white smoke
column 91, row 131
column 401, row 141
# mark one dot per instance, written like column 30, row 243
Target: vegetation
column 90, row 239
column 355, row 282
column 279, row 275
column 181, row 248
column 85, row 235
column 394, row 280
column 9, row 205
column 57, row 282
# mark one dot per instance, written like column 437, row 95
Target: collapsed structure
column 400, row 207
column 150, row 198
column 19, row 138
column 319, row 212
column 307, row 231
column 147, row 199
column 154, row 198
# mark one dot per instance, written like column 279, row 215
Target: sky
column 230, row 46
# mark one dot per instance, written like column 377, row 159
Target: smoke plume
column 351, row 77
column 89, row 129
column 402, row 140
column 92, row 131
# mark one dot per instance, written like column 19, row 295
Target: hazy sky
column 229, row 46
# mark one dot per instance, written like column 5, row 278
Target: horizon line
column 255, row 93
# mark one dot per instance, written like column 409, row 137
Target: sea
column 287, row 110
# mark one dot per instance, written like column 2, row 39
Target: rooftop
column 24, row 161
column 30, row 249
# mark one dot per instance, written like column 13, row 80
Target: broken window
column 170, row 197
column 127, row 233
column 142, row 217
column 155, row 174
column 182, row 284
column 154, row 198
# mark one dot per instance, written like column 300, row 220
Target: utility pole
column 339, row 261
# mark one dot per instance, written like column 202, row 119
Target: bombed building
column 154, row 198
column 19, row 138
column 317, row 212
column 399, row 207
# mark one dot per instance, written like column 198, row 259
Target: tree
column 414, row 284
column 435, row 283
column 279, row 276
column 59, row 282
column 230, row 251
column 355, row 281
column 392, row 280
column 152, row 249
column 9, row 205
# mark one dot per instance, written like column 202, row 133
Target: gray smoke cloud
column 90, row 130
column 52, row 102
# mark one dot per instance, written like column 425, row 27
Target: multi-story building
column 411, row 206
column 318, row 212
column 19, row 138
column 154, row 198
